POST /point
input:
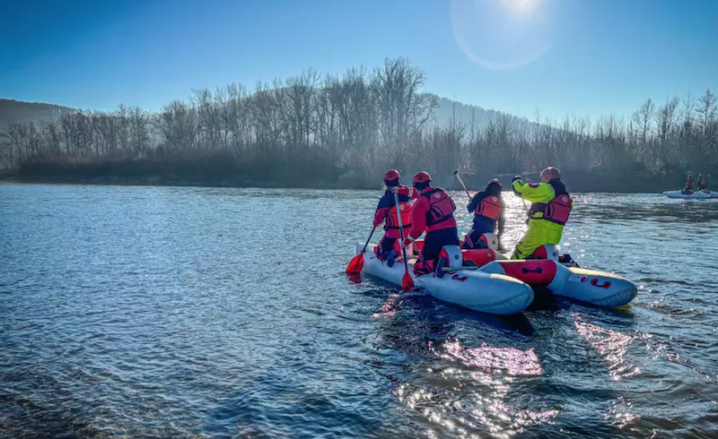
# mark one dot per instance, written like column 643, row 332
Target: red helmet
column 495, row 181
column 391, row 174
column 421, row 177
column 550, row 173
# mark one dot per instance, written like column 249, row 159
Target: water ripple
column 204, row 312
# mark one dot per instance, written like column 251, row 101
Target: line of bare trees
column 352, row 128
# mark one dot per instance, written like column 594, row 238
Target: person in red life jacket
column 387, row 213
column 688, row 190
column 488, row 209
column 433, row 213
column 702, row 185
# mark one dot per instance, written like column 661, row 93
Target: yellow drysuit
column 540, row 232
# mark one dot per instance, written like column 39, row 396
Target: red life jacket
column 559, row 209
column 441, row 209
column 392, row 218
column 556, row 211
column 689, row 184
column 490, row 207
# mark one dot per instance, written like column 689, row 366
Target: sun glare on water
column 502, row 34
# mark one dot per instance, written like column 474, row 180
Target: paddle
column 357, row 263
column 407, row 283
column 526, row 206
column 456, row 174
column 523, row 201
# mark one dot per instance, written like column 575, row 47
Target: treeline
column 346, row 131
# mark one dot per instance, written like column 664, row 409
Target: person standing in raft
column 688, row 190
column 549, row 212
column 387, row 213
column 702, row 185
column 488, row 209
column 433, row 212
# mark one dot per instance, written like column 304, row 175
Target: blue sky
column 587, row 57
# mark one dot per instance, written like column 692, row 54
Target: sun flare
column 502, row 34
column 522, row 6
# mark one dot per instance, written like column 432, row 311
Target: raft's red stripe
column 526, row 271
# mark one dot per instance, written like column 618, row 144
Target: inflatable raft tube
column 560, row 278
column 590, row 286
column 491, row 293
column 695, row 195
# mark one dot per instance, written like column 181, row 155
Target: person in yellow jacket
column 549, row 212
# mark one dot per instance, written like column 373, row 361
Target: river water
column 200, row 312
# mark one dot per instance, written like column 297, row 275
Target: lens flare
column 521, row 5
column 502, row 34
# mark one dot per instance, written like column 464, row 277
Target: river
column 166, row 312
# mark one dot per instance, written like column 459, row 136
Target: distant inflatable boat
column 705, row 193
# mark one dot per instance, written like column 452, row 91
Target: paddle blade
column 407, row 283
column 356, row 265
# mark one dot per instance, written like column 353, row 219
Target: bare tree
column 4, row 150
column 178, row 126
column 139, row 122
column 708, row 125
column 402, row 108
column 297, row 106
column 645, row 116
column 665, row 118
column 123, row 129
column 209, row 118
column 265, row 111
column 16, row 137
column 52, row 139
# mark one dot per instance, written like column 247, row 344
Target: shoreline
column 157, row 181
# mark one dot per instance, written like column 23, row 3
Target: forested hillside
column 315, row 131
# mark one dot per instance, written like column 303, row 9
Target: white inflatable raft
column 696, row 195
column 480, row 291
column 496, row 285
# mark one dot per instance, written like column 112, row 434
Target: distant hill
column 12, row 111
column 464, row 113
